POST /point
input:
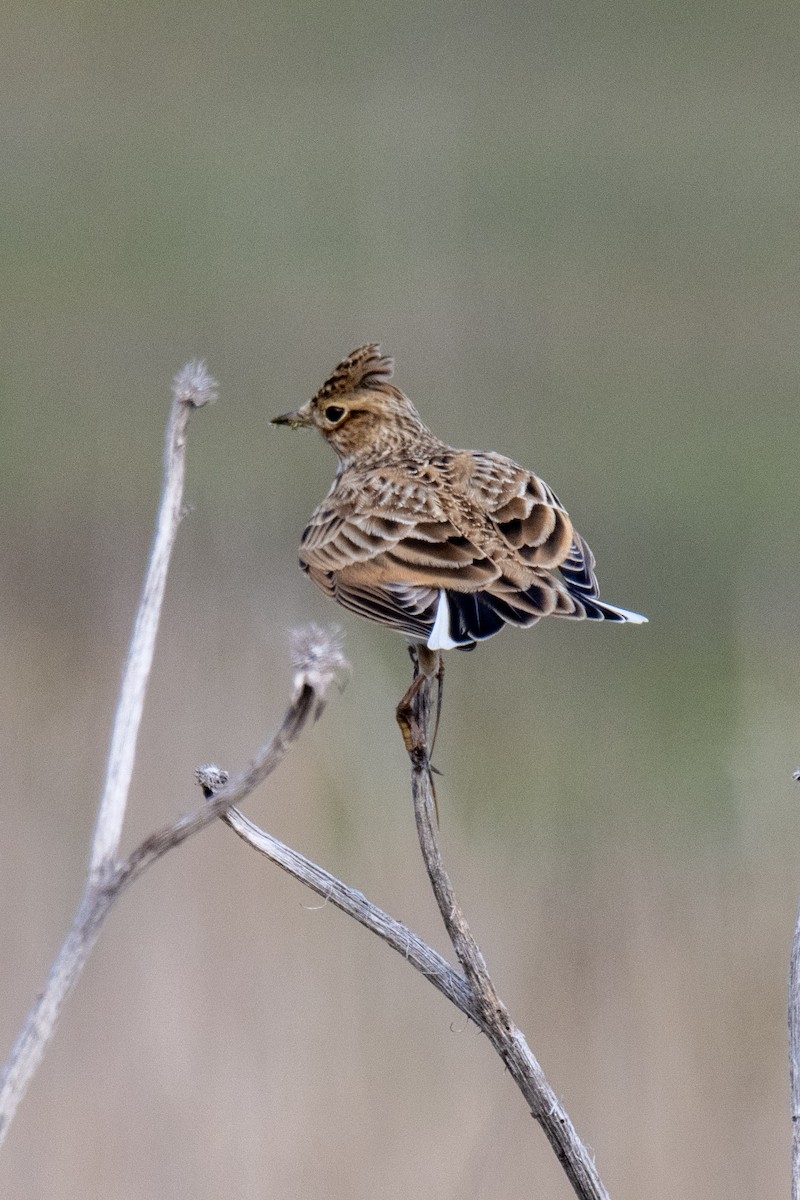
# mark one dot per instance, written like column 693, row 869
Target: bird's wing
column 578, row 570
column 535, row 525
column 409, row 610
column 526, row 512
column 391, row 531
column 384, row 548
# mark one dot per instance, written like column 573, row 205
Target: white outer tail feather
column 440, row 634
column 627, row 615
column 440, row 638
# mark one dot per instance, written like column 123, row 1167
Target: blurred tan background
column 576, row 228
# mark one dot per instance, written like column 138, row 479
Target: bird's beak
column 296, row 420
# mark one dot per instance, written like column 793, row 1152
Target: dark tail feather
column 598, row 610
column 475, row 616
column 578, row 570
column 471, row 617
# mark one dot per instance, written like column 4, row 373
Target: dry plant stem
column 306, row 705
column 193, row 388
column 130, row 705
column 356, row 905
column 473, row 993
column 494, row 1018
column 794, row 1056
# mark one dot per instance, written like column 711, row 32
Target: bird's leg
column 439, row 695
column 405, row 709
column 431, row 663
column 414, row 723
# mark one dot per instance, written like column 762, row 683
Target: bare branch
column 306, row 705
column 356, row 905
column 794, row 1055
column 193, row 387
column 473, row 992
column 317, row 662
column 494, row 1020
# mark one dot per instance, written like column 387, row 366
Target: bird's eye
column 333, row 413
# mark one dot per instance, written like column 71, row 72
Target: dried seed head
column 194, row 385
column 211, row 778
column 318, row 660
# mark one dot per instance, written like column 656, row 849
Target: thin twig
column 306, row 705
column 495, row 1019
column 473, row 992
column 313, row 676
column 794, row 1055
column 193, row 387
column 356, row 905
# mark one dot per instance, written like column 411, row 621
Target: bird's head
column 358, row 411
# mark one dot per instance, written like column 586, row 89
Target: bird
column 445, row 546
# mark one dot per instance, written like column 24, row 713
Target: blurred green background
column 575, row 226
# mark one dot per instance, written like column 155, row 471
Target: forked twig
column 192, row 388
column 306, row 705
column 317, row 659
column 355, row 904
column 473, row 992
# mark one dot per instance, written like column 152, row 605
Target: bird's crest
column 365, row 367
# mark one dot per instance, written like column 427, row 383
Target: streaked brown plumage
column 446, row 546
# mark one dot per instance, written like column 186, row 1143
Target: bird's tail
column 577, row 571
column 598, row 610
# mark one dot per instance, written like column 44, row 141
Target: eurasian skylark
column 446, row 546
